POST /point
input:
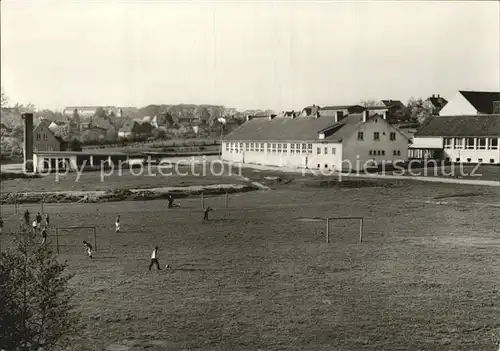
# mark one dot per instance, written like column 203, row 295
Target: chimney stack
column 28, row 141
column 433, row 96
column 366, row 114
column 438, row 96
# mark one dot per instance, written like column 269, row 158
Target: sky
column 248, row 55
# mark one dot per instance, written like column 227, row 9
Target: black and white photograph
column 249, row 175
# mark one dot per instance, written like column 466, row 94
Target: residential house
column 355, row 141
column 132, row 129
column 435, row 104
column 44, row 139
column 340, row 112
column 462, row 139
column 55, row 124
column 472, row 103
column 310, row 111
column 393, row 105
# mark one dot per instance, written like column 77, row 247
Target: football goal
column 74, row 236
column 348, row 223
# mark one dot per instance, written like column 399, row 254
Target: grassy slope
column 92, row 180
column 426, row 278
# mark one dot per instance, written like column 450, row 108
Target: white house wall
column 458, row 105
column 358, row 153
column 312, row 159
column 475, row 155
column 427, row 142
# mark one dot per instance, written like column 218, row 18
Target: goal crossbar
column 76, row 227
column 360, row 219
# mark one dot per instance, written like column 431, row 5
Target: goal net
column 334, row 229
column 68, row 239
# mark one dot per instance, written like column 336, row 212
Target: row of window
column 376, row 136
column 305, row 149
column 325, row 151
column 469, row 160
column 471, row 143
column 38, row 136
column 46, row 148
column 382, row 153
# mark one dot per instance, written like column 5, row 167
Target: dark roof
column 129, row 127
column 437, row 102
column 341, row 107
column 481, row 100
column 461, row 126
column 295, row 129
column 376, row 108
column 393, row 103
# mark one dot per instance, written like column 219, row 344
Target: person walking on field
column 38, row 218
column 1, row 225
column 205, row 214
column 154, row 259
column 47, row 219
column 27, row 217
column 88, row 247
column 44, row 235
column 34, row 225
column 117, row 224
column 170, row 201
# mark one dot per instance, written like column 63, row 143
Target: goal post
column 361, row 224
column 73, row 228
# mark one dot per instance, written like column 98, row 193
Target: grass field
column 127, row 179
column 427, row 276
column 482, row 172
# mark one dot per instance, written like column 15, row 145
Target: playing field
column 427, row 276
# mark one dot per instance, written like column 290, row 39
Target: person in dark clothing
column 170, row 201
column 1, row 225
column 47, row 219
column 27, row 217
column 88, row 247
column 205, row 213
column 154, row 259
column 44, row 235
column 38, row 218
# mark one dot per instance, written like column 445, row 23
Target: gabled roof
column 482, row 101
column 296, row 129
column 461, row 126
column 341, row 107
column 311, row 110
column 393, row 103
column 437, row 101
column 129, row 127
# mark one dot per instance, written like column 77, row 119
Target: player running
column 170, row 201
column 154, row 259
column 88, row 247
column 117, row 224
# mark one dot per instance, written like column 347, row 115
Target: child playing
column 47, row 219
column 117, row 224
column 88, row 247
column 27, row 217
column 35, row 225
column 1, row 225
column 38, row 218
column 154, row 259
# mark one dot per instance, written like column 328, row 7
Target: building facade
column 459, row 139
column 44, row 139
column 324, row 142
column 472, row 103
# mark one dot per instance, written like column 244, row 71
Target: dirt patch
column 457, row 195
column 113, row 195
column 350, row 183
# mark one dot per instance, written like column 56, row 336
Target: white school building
column 324, row 141
column 460, row 139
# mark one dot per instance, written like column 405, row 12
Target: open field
column 477, row 172
column 427, row 276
